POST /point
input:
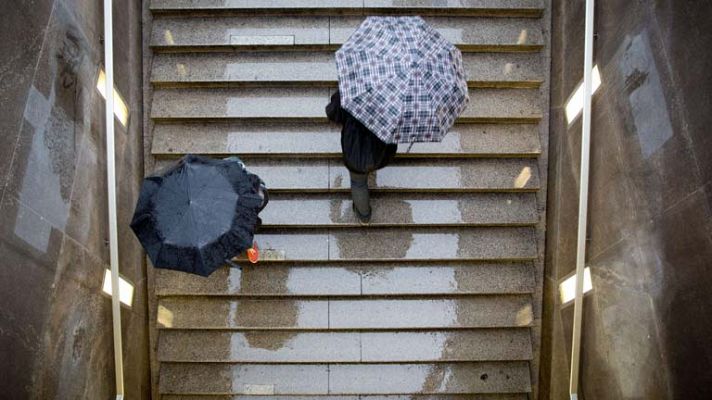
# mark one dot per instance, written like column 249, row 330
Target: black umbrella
column 197, row 214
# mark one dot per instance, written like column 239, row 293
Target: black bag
column 363, row 152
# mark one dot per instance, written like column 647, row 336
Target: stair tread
column 519, row 396
column 403, row 175
column 474, row 209
column 469, row 33
column 312, row 139
column 376, row 244
column 482, row 69
column 496, row 311
column 488, row 104
column 353, row 280
column 471, row 7
column 344, row 347
column 324, row 379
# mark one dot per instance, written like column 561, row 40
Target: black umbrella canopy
column 196, row 214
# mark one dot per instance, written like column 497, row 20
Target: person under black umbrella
column 363, row 152
column 198, row 214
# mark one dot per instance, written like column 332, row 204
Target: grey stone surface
column 354, row 279
column 206, row 32
column 488, row 33
column 471, row 175
column 487, row 377
column 55, row 323
column 240, row 103
column 469, row 7
column 466, row 33
column 321, row 379
column 311, row 139
column 486, row 105
column 404, row 175
column 499, row 311
column 472, row 312
column 257, row 379
column 318, row 68
column 336, row 347
column 217, row 313
column 396, row 209
column 520, row 396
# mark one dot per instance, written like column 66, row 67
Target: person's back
column 363, row 152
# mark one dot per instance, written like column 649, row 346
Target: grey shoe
column 362, row 219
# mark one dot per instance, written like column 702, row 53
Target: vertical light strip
column 583, row 201
column 111, row 178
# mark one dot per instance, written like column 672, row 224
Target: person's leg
column 359, row 194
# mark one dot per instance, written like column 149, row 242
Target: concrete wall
column 55, row 325
column 647, row 322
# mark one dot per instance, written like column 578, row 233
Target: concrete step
column 390, row 244
column 338, row 379
column 404, row 175
column 521, row 396
column 203, row 313
column 522, row 70
column 523, row 8
column 220, row 104
column 322, row 140
column 403, row 210
column 344, row 347
column 225, row 33
column 353, row 279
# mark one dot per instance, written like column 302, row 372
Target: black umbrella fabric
column 197, row 214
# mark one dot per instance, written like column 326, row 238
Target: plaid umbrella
column 402, row 79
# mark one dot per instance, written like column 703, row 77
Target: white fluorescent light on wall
column 121, row 110
column 575, row 103
column 567, row 288
column 126, row 289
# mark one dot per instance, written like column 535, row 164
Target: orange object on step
column 253, row 253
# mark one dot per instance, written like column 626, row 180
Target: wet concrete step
column 387, row 244
column 318, row 68
column 219, row 104
column 323, row 140
column 353, row 279
column 404, row 210
column 531, row 8
column 177, row 34
column 203, row 313
column 404, row 175
column 337, row 379
column 344, row 347
column 521, row 396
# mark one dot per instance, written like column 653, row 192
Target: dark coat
column 363, row 151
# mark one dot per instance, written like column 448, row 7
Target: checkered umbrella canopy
column 402, row 79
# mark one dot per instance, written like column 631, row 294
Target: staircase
column 440, row 297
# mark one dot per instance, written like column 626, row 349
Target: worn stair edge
column 289, row 175
column 521, row 8
column 318, row 69
column 391, row 210
column 353, row 279
column 328, row 33
column 321, row 140
column 217, row 104
column 520, row 396
column 269, row 347
column 325, row 379
column 493, row 311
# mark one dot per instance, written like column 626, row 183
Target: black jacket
column 362, row 150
